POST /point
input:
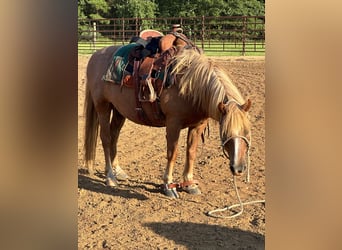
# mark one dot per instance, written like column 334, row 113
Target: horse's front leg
column 194, row 134
column 172, row 136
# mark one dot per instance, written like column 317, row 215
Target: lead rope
column 241, row 204
column 248, row 159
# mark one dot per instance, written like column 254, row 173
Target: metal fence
column 234, row 34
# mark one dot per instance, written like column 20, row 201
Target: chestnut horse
column 199, row 90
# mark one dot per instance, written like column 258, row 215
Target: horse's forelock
column 235, row 120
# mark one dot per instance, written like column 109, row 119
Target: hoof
column 120, row 174
column 111, row 182
column 170, row 192
column 192, row 189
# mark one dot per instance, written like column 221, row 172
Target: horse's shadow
column 125, row 189
column 204, row 236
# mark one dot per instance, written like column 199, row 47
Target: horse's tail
column 91, row 130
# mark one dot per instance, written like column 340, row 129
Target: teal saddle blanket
column 118, row 64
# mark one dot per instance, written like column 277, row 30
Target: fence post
column 136, row 27
column 94, row 35
column 254, row 32
column 114, row 37
column 123, row 31
column 244, row 36
column 202, row 38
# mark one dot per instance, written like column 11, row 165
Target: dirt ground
column 137, row 215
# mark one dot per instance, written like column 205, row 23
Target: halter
column 248, row 143
column 248, row 147
column 232, row 137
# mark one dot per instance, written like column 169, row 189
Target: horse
column 198, row 89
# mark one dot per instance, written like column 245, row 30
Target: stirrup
column 151, row 95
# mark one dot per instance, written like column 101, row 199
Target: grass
column 212, row 48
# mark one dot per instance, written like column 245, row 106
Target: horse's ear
column 221, row 108
column 247, row 105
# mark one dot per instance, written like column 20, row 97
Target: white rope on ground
column 241, row 204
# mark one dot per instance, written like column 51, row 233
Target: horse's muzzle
column 237, row 170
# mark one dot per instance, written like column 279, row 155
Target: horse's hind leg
column 115, row 126
column 104, row 111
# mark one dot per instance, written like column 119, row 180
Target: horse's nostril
column 236, row 171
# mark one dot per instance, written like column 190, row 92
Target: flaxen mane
column 207, row 85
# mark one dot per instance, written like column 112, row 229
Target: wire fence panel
column 231, row 34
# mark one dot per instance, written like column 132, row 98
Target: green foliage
column 134, row 8
column 246, row 8
column 184, row 8
column 167, row 8
column 93, row 8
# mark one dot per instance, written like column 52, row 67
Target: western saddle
column 147, row 67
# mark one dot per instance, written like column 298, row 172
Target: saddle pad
column 115, row 70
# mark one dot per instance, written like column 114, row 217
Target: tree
column 93, row 8
column 133, row 8
column 166, row 8
column 244, row 8
column 81, row 9
column 184, row 8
